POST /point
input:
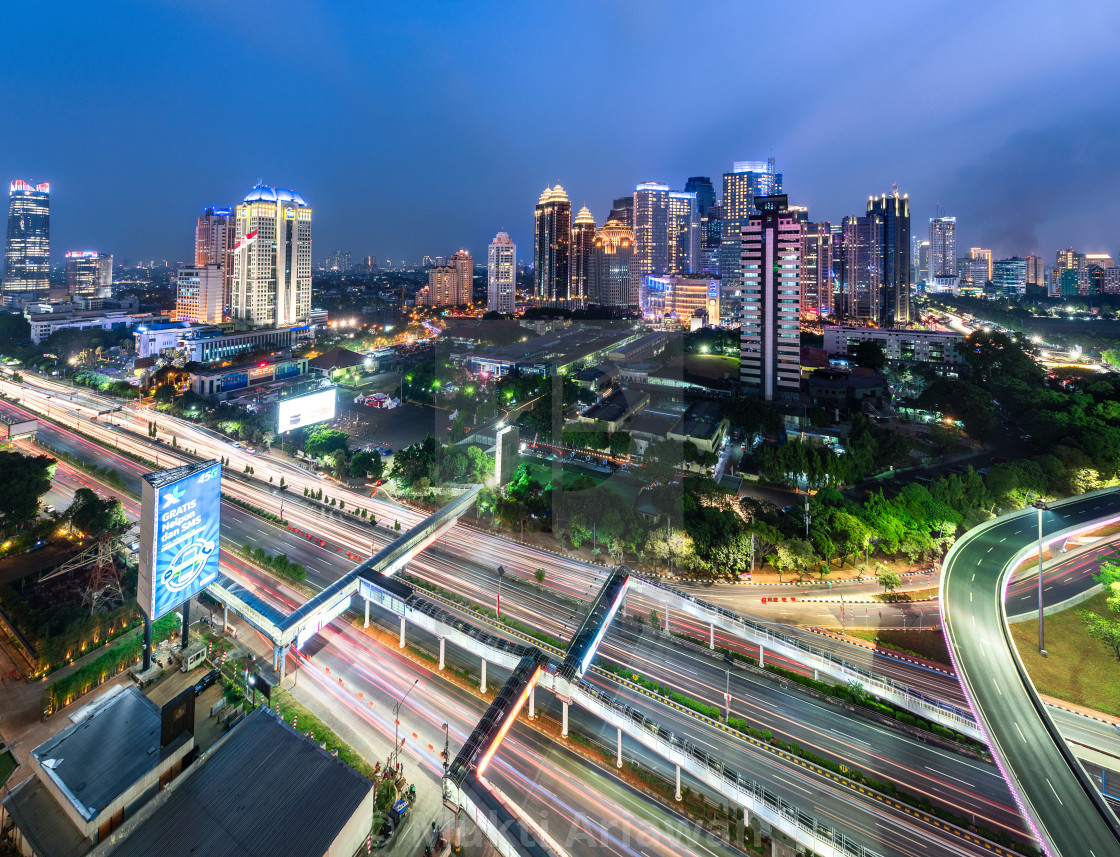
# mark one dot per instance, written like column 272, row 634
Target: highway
column 1067, row 812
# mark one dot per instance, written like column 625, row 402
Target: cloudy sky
column 416, row 128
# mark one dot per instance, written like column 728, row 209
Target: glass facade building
column 651, row 227
column 552, row 245
column 747, row 181
column 27, row 250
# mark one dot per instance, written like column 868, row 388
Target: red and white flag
column 246, row 241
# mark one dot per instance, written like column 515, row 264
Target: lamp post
column 501, row 574
column 397, row 721
column 1041, row 507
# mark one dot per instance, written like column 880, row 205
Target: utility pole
column 808, row 517
column 397, row 721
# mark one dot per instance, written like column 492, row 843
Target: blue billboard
column 179, row 535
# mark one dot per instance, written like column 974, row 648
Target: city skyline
column 989, row 154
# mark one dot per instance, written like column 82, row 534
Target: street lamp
column 501, row 574
column 1042, row 507
column 397, row 721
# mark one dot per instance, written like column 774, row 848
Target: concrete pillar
column 618, row 762
column 761, row 655
column 186, row 624
column 815, row 676
column 147, row 643
column 225, row 619
column 532, row 702
column 666, row 617
column 367, row 614
column 564, row 725
column 402, row 632
column 284, row 660
column 678, row 795
column 482, row 684
column 442, row 646
column 711, row 635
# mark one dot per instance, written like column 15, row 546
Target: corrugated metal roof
column 267, row 790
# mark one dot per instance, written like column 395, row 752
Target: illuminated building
column 679, row 298
column 817, row 273
column 611, row 272
column 623, row 211
column 552, row 245
column 200, row 294
column 451, row 284
column 683, row 240
column 1110, row 281
column 1072, row 282
column 920, row 262
column 747, row 181
column 501, row 274
column 861, row 284
column 651, row 227
column 984, row 256
column 711, row 234
column 272, row 259
column 464, row 283
column 1101, row 260
column 27, row 251
column 214, row 237
column 705, row 193
column 89, row 274
column 1009, row 276
column 1036, row 271
column 893, row 213
column 942, row 247
column 1068, row 259
column 583, row 236
column 769, row 328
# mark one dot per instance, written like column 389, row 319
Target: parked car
column 134, row 546
column 207, row 680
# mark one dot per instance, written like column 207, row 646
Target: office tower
column 501, row 275
column 200, row 294
column 893, row 211
column 612, row 269
column 862, row 284
column 1072, row 282
column 552, row 245
column 1101, row 260
column 27, row 251
column 1068, row 259
column 817, row 274
column 1009, row 276
column 214, row 237
column 923, row 261
column 464, row 282
column 981, row 255
column 705, row 193
column 651, row 227
column 583, row 236
column 942, row 247
column 272, row 259
column 89, row 274
column 1110, row 281
column 683, row 224
column 747, row 181
column 711, row 229
column 770, row 330
column 623, row 211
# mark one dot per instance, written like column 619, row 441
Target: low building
column 678, row 298
column 595, row 378
column 153, row 340
column 847, row 388
column 207, row 344
column 639, row 348
column 335, row 360
column 614, row 410
column 920, row 346
column 703, row 424
column 43, row 324
column 225, row 382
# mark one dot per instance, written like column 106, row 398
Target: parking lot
column 400, row 426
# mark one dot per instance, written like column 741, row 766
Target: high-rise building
column 747, row 181
column 817, row 273
column 200, row 294
column 443, row 287
column 705, row 193
column 272, row 259
column 711, row 234
column 623, row 211
column 683, row 224
column 552, row 245
column 612, row 280
column 1036, row 271
column 893, row 211
column 583, row 236
column 651, row 227
column 338, row 260
column 1110, row 281
column 214, row 237
column 770, row 330
column 942, row 247
column 923, row 261
column 1101, row 260
column 27, row 251
column 501, row 275
column 981, row 254
column 1068, row 259
column 1009, row 276
column 464, row 283
column 89, row 274
column 862, row 283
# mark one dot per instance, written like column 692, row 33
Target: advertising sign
column 180, row 519
column 306, row 410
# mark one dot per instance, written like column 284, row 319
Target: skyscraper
column 583, row 235
column 200, row 294
column 651, row 227
column 27, row 251
column 1036, row 271
column 705, row 193
column 612, row 280
column 683, row 224
column 214, row 237
column 501, row 275
column 623, row 211
column 942, row 247
column 770, row 331
column 922, row 264
column 817, row 274
column 1009, row 276
column 443, row 287
column 552, row 245
column 983, row 256
column 1068, row 259
column 272, row 259
column 464, row 281
column 862, row 284
column 89, row 274
column 747, row 181
column 893, row 211
column 711, row 233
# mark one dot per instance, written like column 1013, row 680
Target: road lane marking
column 950, row 776
column 794, row 785
column 1000, row 692
column 1054, row 790
column 1020, row 731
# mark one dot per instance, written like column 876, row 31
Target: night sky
column 418, row 128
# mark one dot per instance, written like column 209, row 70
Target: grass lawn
column 623, row 486
column 925, row 644
column 1079, row 669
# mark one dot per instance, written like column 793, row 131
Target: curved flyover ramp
column 1066, row 811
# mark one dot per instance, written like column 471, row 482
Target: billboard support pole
column 186, row 623
column 147, row 642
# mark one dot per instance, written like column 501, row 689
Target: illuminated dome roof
column 274, row 194
column 501, row 238
column 584, row 218
column 554, row 194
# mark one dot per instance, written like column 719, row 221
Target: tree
column 870, row 353
column 95, row 516
column 23, row 480
column 366, row 463
column 268, row 436
column 322, row 441
column 1111, row 356
column 336, row 460
column 164, row 393
column 1103, row 629
column 795, row 555
column 621, row 443
column 539, row 574
column 889, row 580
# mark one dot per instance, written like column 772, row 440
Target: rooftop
column 700, row 420
column 274, row 194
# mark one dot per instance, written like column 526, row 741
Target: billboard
column 306, row 410
column 180, row 520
